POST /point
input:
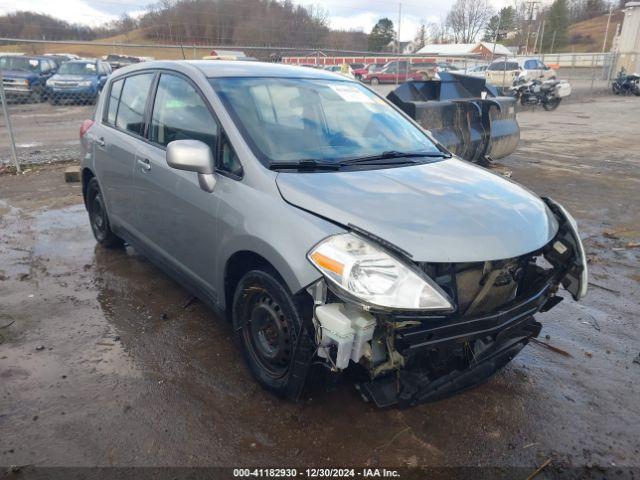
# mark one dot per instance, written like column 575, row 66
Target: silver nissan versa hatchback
column 335, row 233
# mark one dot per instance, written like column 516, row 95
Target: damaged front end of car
column 416, row 332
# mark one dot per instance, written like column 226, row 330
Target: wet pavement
column 106, row 363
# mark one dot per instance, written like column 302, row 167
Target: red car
column 359, row 73
column 400, row 71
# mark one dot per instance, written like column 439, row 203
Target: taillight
column 86, row 125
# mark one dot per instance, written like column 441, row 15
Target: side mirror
column 193, row 156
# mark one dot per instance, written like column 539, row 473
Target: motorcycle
column 626, row 84
column 549, row 93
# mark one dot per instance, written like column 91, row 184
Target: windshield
column 77, row 68
column 288, row 120
column 20, row 63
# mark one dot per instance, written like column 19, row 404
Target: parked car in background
column 119, row 61
column 78, row 81
column 370, row 68
column 502, row 73
column 341, row 69
column 62, row 57
column 477, row 71
column 400, row 71
column 334, row 232
column 24, row 77
column 446, row 67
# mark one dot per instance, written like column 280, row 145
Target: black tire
column 375, row 81
column 269, row 323
column 551, row 103
column 615, row 88
column 98, row 218
column 636, row 90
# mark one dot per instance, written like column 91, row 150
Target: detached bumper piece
column 446, row 358
column 463, row 113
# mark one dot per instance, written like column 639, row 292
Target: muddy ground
column 101, row 363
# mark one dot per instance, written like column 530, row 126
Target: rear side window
column 114, row 97
column 130, row 115
column 531, row 64
column 503, row 66
column 180, row 113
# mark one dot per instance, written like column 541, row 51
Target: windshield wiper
column 394, row 154
column 308, row 165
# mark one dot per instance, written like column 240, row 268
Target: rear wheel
column 551, row 103
column 636, row 90
column 270, row 324
column 98, row 217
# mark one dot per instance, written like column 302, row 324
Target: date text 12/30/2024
column 315, row 473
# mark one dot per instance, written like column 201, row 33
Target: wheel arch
column 246, row 259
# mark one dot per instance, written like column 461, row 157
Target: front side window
column 133, row 99
column 180, row 113
column 287, row 119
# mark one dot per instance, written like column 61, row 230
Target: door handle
column 144, row 164
column 101, row 142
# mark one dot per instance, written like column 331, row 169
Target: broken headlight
column 373, row 277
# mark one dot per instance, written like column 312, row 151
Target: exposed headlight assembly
column 577, row 279
column 371, row 276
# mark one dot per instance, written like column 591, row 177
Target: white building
column 478, row 49
column 628, row 42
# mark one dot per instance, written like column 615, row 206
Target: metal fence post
column 7, row 119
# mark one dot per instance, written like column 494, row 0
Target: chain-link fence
column 51, row 87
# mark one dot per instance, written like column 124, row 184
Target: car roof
column 236, row 68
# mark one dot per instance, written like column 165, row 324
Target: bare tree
column 467, row 18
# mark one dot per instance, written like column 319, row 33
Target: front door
column 176, row 218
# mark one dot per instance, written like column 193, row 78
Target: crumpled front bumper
column 503, row 334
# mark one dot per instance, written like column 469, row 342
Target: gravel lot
column 102, row 364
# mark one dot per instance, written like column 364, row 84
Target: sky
column 343, row 14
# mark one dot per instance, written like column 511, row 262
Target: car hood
column 73, row 78
column 18, row 74
column 446, row 211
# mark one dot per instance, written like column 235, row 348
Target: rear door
column 176, row 218
column 116, row 142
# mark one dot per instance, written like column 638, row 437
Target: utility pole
column 535, row 44
column 7, row 120
column 531, row 3
column 553, row 41
column 398, row 38
column 495, row 38
column 606, row 30
column 541, row 38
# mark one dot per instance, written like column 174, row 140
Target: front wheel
column 615, row 88
column 375, row 81
column 270, row 327
column 98, row 218
column 551, row 103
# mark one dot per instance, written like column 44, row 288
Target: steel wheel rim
column 268, row 336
